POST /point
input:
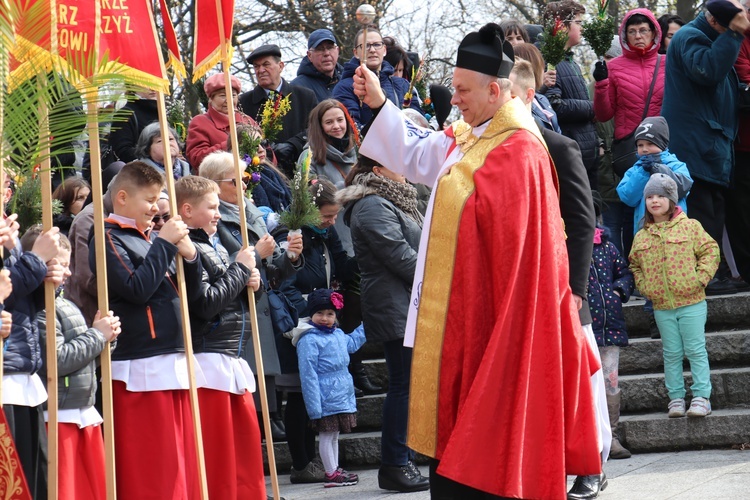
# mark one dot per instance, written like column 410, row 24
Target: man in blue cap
column 320, row 70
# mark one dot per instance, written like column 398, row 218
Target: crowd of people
column 499, row 247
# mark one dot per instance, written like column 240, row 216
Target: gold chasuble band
column 453, row 190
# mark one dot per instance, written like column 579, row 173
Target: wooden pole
column 187, row 337
column 4, row 66
column 259, row 371
column 49, row 305
column 105, row 358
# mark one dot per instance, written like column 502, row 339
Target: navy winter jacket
column 609, row 272
column 575, row 113
column 23, row 352
column 394, row 87
column 309, row 77
column 701, row 91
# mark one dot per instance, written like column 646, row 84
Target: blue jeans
column 393, row 449
column 683, row 334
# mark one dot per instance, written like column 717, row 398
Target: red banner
column 129, row 41
column 32, row 47
column 211, row 38
column 173, row 48
column 12, row 481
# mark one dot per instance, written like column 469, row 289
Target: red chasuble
column 501, row 390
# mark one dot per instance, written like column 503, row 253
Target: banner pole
column 184, row 311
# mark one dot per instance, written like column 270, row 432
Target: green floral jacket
column 673, row 261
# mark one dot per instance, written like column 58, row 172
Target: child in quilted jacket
column 610, row 285
column 327, row 387
column 672, row 259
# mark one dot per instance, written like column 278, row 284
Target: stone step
column 640, row 394
column 646, row 433
column 643, row 355
column 725, row 312
column 647, row 393
column 655, row 432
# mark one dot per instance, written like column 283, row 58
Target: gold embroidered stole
column 452, row 192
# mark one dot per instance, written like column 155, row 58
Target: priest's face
column 476, row 95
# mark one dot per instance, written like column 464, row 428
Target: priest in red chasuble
column 500, row 392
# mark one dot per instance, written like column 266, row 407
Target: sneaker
column 312, row 473
column 340, row 478
column 677, row 408
column 699, row 407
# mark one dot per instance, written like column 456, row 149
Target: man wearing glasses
column 569, row 95
column 395, row 88
column 320, row 70
column 267, row 65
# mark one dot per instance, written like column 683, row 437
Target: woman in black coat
column 381, row 211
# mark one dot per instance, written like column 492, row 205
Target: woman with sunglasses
column 219, row 167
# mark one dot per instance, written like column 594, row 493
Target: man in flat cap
column 320, row 70
column 701, row 93
column 267, row 64
column 500, row 397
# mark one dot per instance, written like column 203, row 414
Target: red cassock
column 81, row 473
column 515, row 411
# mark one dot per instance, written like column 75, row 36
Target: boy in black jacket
column 154, row 438
column 220, row 323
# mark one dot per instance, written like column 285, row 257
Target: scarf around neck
column 401, row 194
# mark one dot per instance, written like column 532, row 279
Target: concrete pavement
column 687, row 475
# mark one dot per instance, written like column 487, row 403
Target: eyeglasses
column 320, row 49
column 158, row 218
column 641, row 32
column 579, row 22
column 234, row 182
column 370, row 46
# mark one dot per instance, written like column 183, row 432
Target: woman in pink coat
column 622, row 85
column 207, row 133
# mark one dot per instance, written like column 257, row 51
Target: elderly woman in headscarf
column 150, row 150
column 208, row 132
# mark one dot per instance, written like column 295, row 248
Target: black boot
column 278, row 431
column 362, row 381
column 402, row 479
column 653, row 327
column 587, row 487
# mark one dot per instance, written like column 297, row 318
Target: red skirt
column 81, row 472
column 154, row 445
column 231, row 444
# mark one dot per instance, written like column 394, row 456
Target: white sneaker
column 676, row 408
column 699, row 407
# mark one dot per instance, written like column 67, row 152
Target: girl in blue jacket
column 328, row 390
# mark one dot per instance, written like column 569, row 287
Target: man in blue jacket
column 700, row 105
column 320, row 70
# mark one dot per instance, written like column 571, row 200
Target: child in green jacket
column 672, row 260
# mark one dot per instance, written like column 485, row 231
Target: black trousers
column 707, row 204
column 442, row 488
column 738, row 213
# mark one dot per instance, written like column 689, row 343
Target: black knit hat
column 441, row 101
column 486, row 51
column 654, row 129
column 723, row 11
column 661, row 185
column 324, row 298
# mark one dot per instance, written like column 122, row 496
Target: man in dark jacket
column 320, row 70
column 136, row 114
column 569, row 96
column 700, row 105
column 395, row 88
column 266, row 61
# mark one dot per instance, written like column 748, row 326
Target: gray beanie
column 662, row 185
column 615, row 50
column 654, row 129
